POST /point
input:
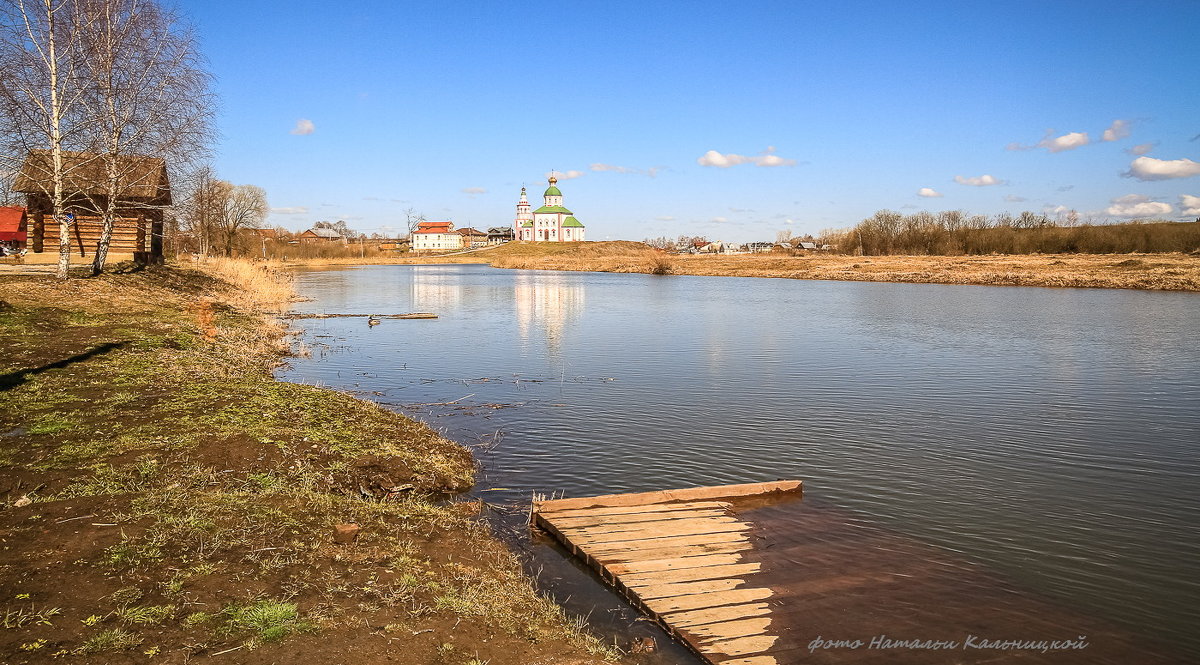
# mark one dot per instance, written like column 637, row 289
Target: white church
column 549, row 223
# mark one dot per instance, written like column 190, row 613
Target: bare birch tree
column 40, row 96
column 147, row 94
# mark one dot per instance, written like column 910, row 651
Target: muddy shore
column 163, row 499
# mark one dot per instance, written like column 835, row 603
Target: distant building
column 757, row 247
column 472, row 237
column 320, row 235
column 498, row 235
column 549, row 223
column 436, row 236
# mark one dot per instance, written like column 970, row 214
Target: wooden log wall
column 130, row 235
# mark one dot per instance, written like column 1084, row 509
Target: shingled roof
column 142, row 179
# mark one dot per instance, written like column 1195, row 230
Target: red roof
column 12, row 219
column 433, row 227
column 12, row 224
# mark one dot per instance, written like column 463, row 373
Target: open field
column 164, row 499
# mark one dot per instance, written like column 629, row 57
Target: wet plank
column 667, row 496
column 677, row 552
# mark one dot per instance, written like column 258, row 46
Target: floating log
column 410, row 315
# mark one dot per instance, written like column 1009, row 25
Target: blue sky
column 728, row 120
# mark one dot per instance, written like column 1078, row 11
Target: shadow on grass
column 14, row 379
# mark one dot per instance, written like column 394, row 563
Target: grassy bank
column 165, row 500
column 1175, row 272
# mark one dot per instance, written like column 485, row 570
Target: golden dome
column 553, row 180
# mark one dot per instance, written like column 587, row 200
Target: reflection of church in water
column 549, row 301
column 549, row 223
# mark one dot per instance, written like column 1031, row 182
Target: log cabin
column 143, row 191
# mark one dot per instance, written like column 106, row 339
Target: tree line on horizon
column 954, row 232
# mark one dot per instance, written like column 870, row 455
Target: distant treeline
column 954, row 232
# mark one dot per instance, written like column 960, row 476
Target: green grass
column 265, row 620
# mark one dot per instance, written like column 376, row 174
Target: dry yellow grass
column 1174, row 272
column 259, row 284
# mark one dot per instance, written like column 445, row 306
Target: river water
column 1049, row 435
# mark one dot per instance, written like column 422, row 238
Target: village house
column 549, row 223
column 472, row 237
column 498, row 235
column 142, row 192
column 436, row 236
column 320, row 235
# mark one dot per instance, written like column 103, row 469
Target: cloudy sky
column 729, row 120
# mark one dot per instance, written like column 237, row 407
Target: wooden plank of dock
column 677, row 553
column 744, row 581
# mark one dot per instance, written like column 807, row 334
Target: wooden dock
column 679, row 556
column 744, row 580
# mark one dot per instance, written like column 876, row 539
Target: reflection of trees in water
column 549, row 301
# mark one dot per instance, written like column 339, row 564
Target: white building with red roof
column 436, row 237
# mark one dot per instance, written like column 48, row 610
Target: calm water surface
column 1052, row 435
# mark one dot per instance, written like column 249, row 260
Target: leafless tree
column 200, row 205
column 105, row 78
column 242, row 207
column 41, row 90
column 147, row 93
column 413, row 218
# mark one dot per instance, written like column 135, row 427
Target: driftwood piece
column 410, row 315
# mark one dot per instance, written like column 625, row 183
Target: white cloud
column 929, row 193
column 1119, row 129
column 294, row 210
column 1149, row 168
column 665, row 218
column 978, row 181
column 1012, row 198
column 1141, row 149
column 474, row 190
column 718, row 220
column 1050, row 209
column 724, row 161
column 1190, row 204
column 304, row 127
column 1065, row 142
column 788, row 222
column 652, row 171
column 1136, row 205
column 569, row 175
column 610, row 167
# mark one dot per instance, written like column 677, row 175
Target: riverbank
column 165, row 499
column 1160, row 272
column 1171, row 272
